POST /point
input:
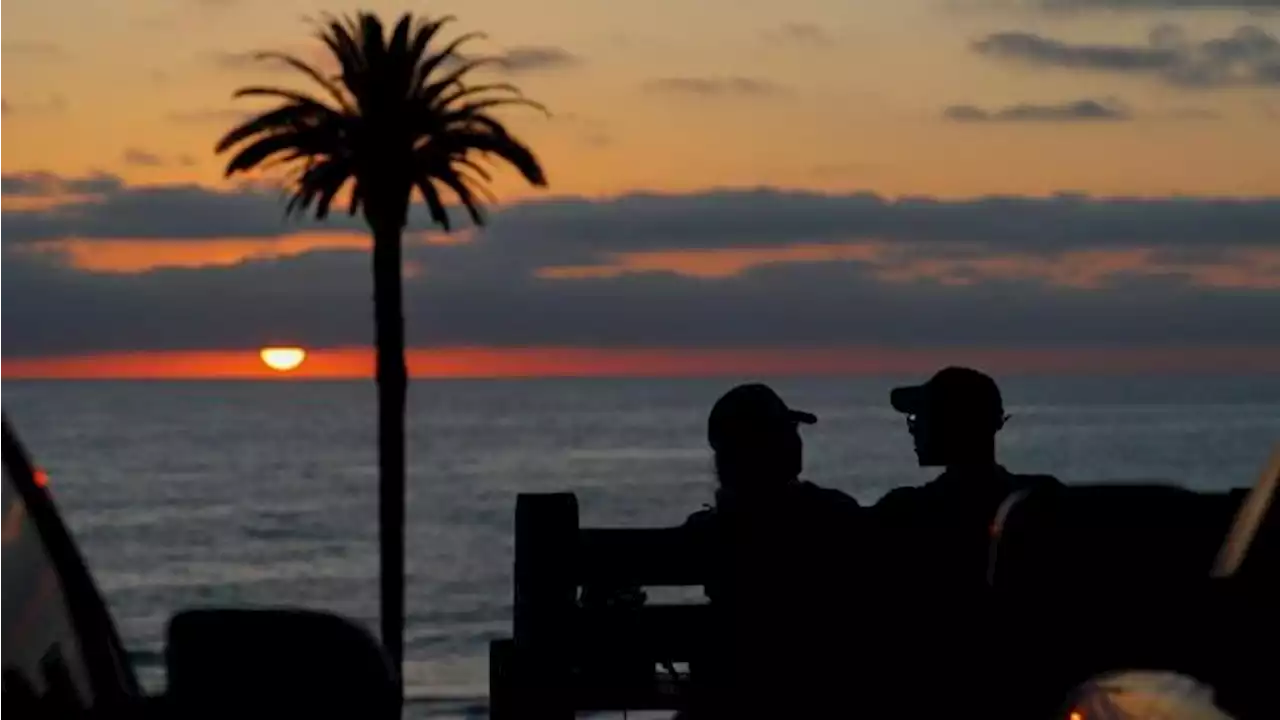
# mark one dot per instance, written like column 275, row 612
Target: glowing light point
column 282, row 359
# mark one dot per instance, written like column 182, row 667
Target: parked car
column 64, row 658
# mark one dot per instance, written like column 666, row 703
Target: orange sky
column 841, row 96
column 852, row 99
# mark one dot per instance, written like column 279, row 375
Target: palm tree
column 400, row 116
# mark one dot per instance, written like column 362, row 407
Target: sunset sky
column 736, row 186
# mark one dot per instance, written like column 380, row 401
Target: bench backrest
column 1122, row 536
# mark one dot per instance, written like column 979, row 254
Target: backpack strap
column 997, row 529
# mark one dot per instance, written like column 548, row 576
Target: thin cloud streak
column 1248, row 57
column 716, row 87
column 1068, row 6
column 1075, row 111
column 801, row 34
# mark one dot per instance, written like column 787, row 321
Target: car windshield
column 42, row 654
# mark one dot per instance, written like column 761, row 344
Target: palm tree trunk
column 392, row 379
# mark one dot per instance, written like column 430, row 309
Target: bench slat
column 643, row 557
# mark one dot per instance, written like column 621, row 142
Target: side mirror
column 259, row 663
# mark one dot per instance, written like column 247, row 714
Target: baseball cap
column 750, row 412
column 954, row 391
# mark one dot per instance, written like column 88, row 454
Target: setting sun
column 283, row 359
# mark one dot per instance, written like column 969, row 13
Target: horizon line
column 565, row 362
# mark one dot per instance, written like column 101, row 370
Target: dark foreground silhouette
column 402, row 118
column 939, row 534
column 804, row 619
column 774, row 547
column 825, row 608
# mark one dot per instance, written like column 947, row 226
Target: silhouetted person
column 779, row 552
column 933, row 546
column 761, row 504
column 953, row 419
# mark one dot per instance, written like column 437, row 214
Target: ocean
column 189, row 494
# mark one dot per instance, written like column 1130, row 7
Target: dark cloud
column 800, row 33
column 251, row 61
column 715, row 87
column 518, row 60
column 45, row 184
column 53, row 105
column 1076, row 111
column 1250, row 56
column 202, row 116
column 33, row 50
column 158, row 211
column 535, row 58
column 490, row 290
column 587, row 130
column 1143, row 5
column 235, row 61
column 1194, row 113
column 145, row 158
column 584, row 228
column 322, row 298
column 142, row 158
column 766, row 217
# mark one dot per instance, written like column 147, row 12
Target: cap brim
column 909, row 400
column 802, row 417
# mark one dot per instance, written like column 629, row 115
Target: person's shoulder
column 917, row 503
column 701, row 519
column 829, row 496
column 904, row 495
column 1033, row 481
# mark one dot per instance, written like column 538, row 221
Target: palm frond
column 473, row 206
column 474, row 167
column 334, row 90
column 424, row 33
column 469, row 90
column 433, row 61
column 265, row 147
column 512, row 151
column 400, row 117
column 357, row 199
column 431, row 196
column 399, row 42
column 337, row 37
column 476, row 108
column 430, row 91
column 282, row 118
column 284, row 94
column 479, row 188
column 319, row 183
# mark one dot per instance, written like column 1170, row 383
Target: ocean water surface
column 204, row 493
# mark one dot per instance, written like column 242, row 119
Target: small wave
column 425, row 704
column 146, row 657
column 625, row 453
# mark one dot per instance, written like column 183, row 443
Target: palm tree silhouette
column 400, row 116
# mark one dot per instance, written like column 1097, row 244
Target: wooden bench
column 1107, row 542
column 564, row 657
